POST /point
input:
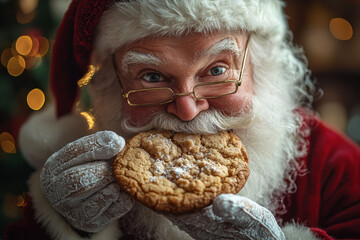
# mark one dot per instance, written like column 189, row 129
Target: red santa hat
column 102, row 26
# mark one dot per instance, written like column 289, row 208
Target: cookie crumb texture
column 180, row 172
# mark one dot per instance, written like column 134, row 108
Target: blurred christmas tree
column 27, row 30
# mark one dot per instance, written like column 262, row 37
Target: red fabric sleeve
column 328, row 195
column 321, row 234
column 27, row 228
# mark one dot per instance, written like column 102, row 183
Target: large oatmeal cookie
column 177, row 172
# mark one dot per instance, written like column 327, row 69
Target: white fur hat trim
column 125, row 22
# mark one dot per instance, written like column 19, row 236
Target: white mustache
column 207, row 122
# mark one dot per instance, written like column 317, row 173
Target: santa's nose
column 187, row 107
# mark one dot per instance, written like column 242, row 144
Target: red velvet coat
column 327, row 199
column 328, row 196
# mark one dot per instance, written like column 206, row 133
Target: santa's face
column 260, row 112
column 179, row 64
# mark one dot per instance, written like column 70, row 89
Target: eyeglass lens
column 153, row 96
column 158, row 96
column 214, row 89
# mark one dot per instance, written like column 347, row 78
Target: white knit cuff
column 43, row 134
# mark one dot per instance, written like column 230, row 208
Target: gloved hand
column 230, row 217
column 78, row 181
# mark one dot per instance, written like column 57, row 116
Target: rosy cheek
column 231, row 104
column 139, row 116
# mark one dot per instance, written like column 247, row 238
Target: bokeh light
column 7, row 142
column 35, row 99
column 24, row 45
column 28, row 6
column 341, row 29
column 16, row 66
column 8, row 147
column 35, row 46
column 5, row 56
column 43, row 46
column 25, row 53
column 5, row 136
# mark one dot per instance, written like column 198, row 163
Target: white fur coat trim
column 295, row 231
column 125, row 22
column 43, row 134
column 55, row 224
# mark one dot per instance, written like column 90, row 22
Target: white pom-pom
column 43, row 134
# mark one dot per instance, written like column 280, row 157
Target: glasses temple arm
column 243, row 61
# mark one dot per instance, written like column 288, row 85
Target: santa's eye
column 153, row 77
column 215, row 71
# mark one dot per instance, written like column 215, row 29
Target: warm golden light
column 87, row 77
column 21, row 201
column 341, row 29
column 5, row 136
column 8, row 147
column 35, row 46
column 43, row 46
column 5, row 56
column 35, row 99
column 16, row 66
column 7, row 142
column 28, row 6
column 24, row 45
column 89, row 118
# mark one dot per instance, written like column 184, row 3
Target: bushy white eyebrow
column 134, row 57
column 226, row 44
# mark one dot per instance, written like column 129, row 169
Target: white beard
column 269, row 142
column 269, row 138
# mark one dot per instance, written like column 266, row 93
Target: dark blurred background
column 328, row 30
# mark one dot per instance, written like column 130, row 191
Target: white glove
column 230, row 217
column 79, row 183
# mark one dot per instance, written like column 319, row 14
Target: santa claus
column 153, row 61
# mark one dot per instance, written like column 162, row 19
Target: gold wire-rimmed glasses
column 164, row 95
